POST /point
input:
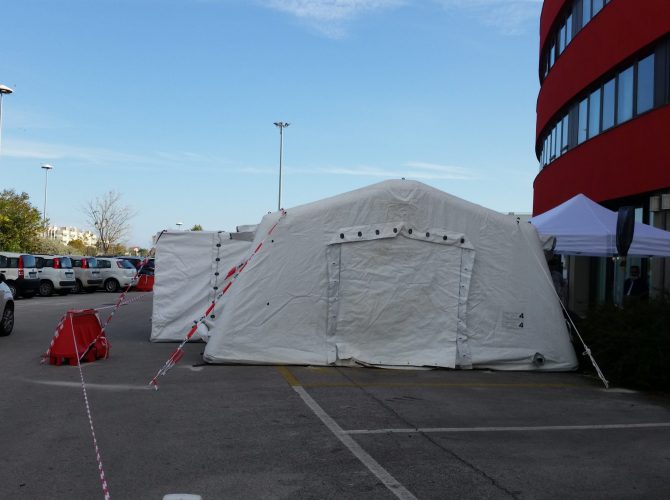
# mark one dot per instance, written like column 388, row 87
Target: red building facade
column 603, row 110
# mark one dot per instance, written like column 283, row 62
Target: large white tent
column 396, row 274
column 583, row 227
column 186, row 280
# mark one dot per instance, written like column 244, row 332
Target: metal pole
column 281, row 157
column 3, row 90
column 46, row 183
column 46, row 168
column 281, row 126
column 1, row 123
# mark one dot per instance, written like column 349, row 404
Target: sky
column 171, row 103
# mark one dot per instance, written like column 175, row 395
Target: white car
column 56, row 274
column 20, row 273
column 6, row 308
column 115, row 273
column 86, row 273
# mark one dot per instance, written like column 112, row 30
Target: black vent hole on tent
column 341, row 236
column 218, row 244
column 395, row 229
column 218, row 259
column 444, row 238
column 409, row 231
column 216, row 273
column 216, row 288
column 462, row 240
column 360, row 234
column 377, row 231
column 272, row 241
column 267, row 304
column 213, row 316
column 427, row 235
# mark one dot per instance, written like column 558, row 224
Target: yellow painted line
column 438, row 385
column 288, row 376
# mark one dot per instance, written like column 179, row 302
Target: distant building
column 603, row 120
column 66, row 234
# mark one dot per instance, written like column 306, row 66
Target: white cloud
column 42, row 151
column 410, row 170
column 329, row 17
column 510, row 17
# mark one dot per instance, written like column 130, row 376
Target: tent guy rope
column 587, row 351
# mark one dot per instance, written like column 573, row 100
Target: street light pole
column 3, row 91
column 281, row 126
column 179, row 226
column 46, row 168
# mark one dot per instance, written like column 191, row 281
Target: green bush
column 631, row 344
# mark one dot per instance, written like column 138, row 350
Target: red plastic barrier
column 144, row 283
column 91, row 343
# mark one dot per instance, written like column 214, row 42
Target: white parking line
column 373, row 466
column 511, row 429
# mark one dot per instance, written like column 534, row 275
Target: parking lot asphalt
column 309, row 432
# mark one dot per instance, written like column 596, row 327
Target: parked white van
column 115, row 273
column 56, row 274
column 86, row 273
column 20, row 273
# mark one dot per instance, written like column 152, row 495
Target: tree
column 78, row 245
column 48, row 246
column 197, row 227
column 20, row 222
column 109, row 218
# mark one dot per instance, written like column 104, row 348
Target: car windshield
column 29, row 261
column 65, row 263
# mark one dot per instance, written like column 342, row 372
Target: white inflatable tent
column 396, row 274
column 186, row 277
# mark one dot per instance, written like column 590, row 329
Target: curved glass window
column 594, row 113
column 625, row 96
column 609, row 94
column 645, row 84
column 583, row 115
column 577, row 14
column 627, row 93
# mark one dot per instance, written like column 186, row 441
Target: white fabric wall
column 279, row 310
column 185, row 278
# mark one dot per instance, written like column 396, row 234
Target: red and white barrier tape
column 228, row 280
column 101, row 470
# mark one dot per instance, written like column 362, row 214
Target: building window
column 583, row 114
column 586, row 12
column 608, row 103
column 645, row 84
column 566, row 129
column 594, row 113
column 625, row 96
column 561, row 39
column 568, row 30
column 597, row 5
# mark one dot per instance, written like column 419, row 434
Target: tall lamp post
column 46, row 168
column 3, row 91
column 179, row 226
column 281, row 126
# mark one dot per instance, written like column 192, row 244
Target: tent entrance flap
column 398, row 301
